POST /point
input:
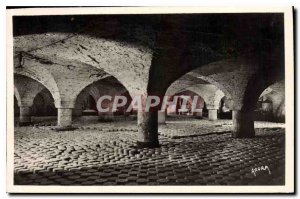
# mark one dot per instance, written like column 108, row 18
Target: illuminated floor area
column 192, row 152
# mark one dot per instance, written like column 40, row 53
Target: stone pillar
column 212, row 114
column 243, row 124
column 25, row 115
column 64, row 117
column 161, row 117
column 147, row 129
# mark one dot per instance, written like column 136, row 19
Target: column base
column 64, row 128
column 147, row 130
column 140, row 144
column 213, row 114
column 161, row 118
column 25, row 123
column 25, row 116
column 64, row 117
column 243, row 125
column 162, row 123
column 243, row 134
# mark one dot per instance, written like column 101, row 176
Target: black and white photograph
column 169, row 100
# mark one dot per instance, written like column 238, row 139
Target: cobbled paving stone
column 192, row 152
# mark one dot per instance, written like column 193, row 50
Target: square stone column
column 243, row 124
column 147, row 129
column 161, row 117
column 212, row 114
column 64, row 117
column 25, row 115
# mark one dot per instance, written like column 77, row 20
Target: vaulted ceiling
column 148, row 53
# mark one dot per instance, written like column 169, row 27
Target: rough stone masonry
column 232, row 63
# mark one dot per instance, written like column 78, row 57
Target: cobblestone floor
column 192, row 152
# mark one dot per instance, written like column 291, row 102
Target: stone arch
column 224, row 108
column 262, row 83
column 26, row 89
column 85, row 105
column 97, row 53
column 181, row 93
column 271, row 104
column 225, row 73
column 218, row 96
column 212, row 97
column 43, row 76
column 210, row 93
column 216, row 83
column 183, row 82
column 82, row 97
column 232, row 76
column 94, row 91
column 91, row 103
column 47, row 106
column 89, row 106
column 106, row 86
column 69, row 77
column 175, row 58
column 277, row 87
column 37, row 106
column 243, row 119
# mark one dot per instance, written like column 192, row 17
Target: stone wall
column 276, row 109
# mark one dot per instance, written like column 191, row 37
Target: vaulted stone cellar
column 232, row 63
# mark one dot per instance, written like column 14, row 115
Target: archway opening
column 89, row 106
column 183, row 107
column 270, row 106
column 224, row 112
column 205, row 111
column 43, row 105
column 90, row 98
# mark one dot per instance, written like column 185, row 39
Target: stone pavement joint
column 105, row 154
